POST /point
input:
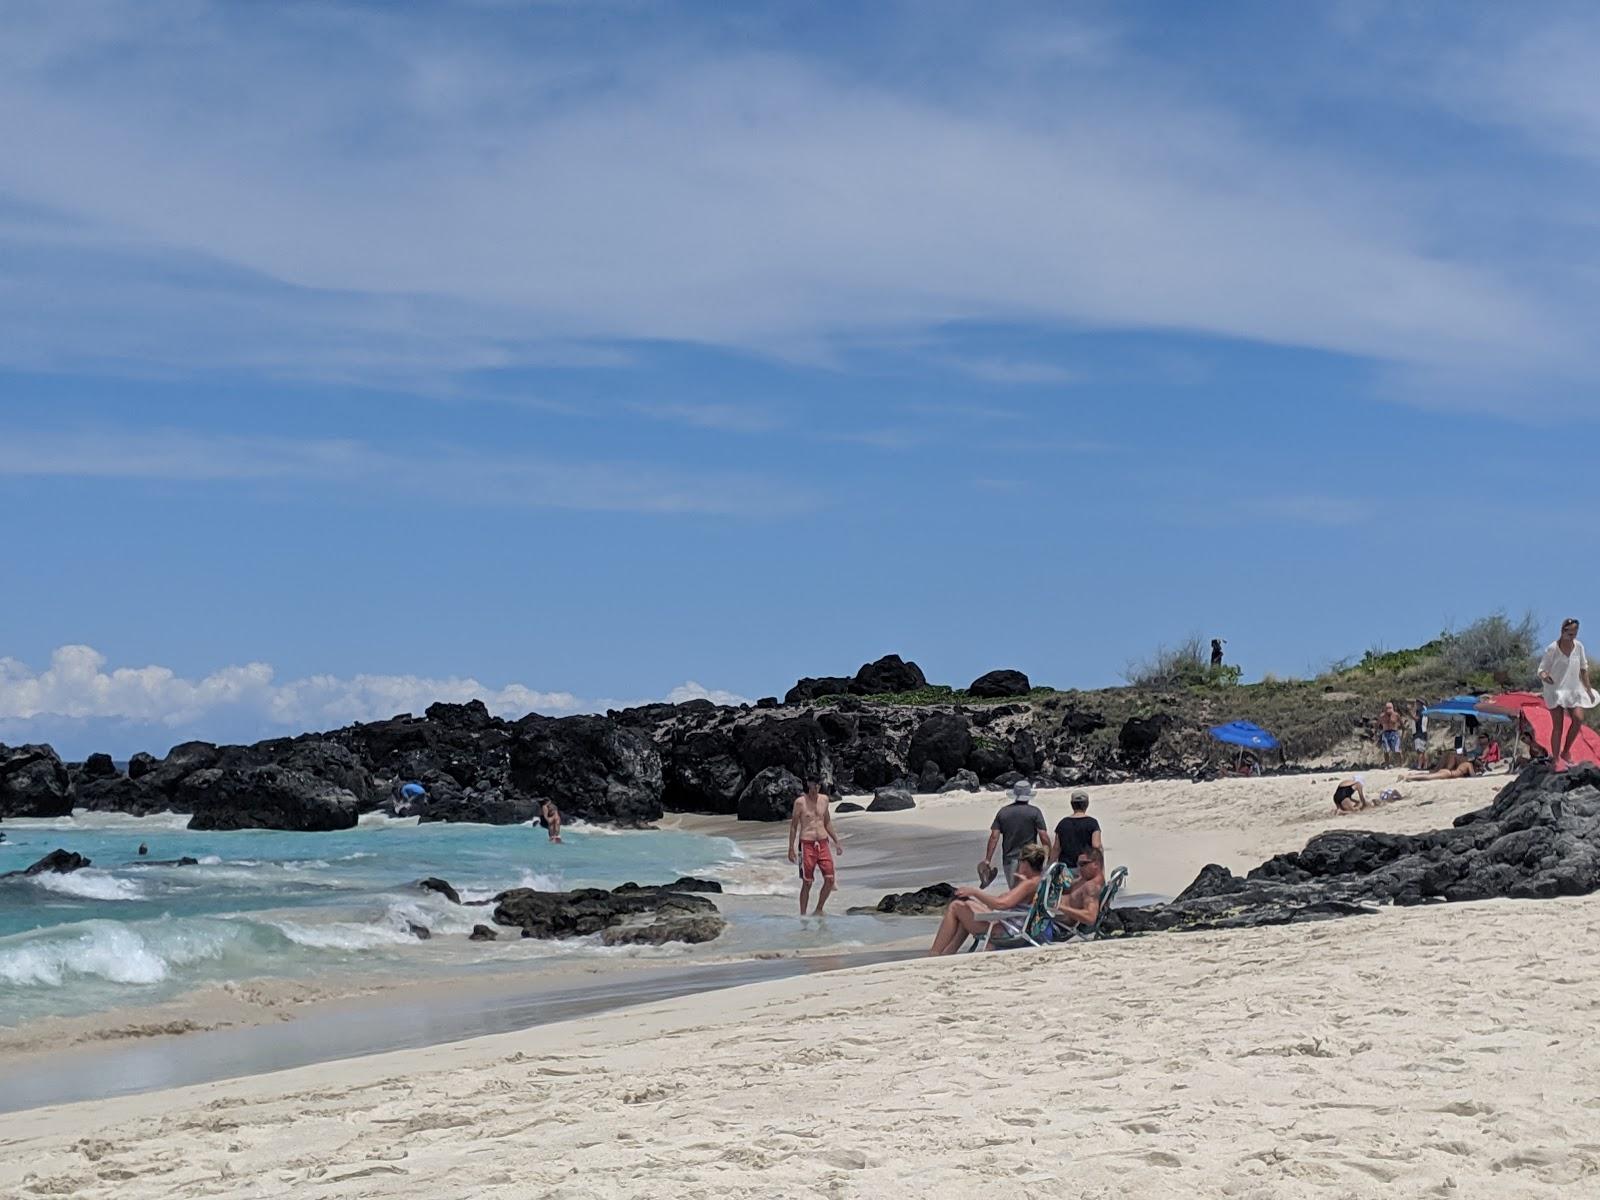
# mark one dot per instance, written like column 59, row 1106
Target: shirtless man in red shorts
column 812, row 824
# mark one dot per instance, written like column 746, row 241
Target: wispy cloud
column 1019, row 371
column 1330, row 512
column 376, row 194
column 719, row 418
column 885, row 438
column 449, row 474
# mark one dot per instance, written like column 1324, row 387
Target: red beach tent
column 1530, row 707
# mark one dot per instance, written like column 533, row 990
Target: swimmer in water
column 550, row 818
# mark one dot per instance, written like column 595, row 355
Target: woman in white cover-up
column 1564, row 671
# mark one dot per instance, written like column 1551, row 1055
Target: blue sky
column 574, row 354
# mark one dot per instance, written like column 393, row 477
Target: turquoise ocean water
column 307, row 905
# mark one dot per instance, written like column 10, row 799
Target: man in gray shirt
column 1015, row 826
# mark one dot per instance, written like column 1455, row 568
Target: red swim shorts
column 814, row 855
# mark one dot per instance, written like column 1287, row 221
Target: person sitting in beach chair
column 960, row 920
column 1487, row 751
column 1080, row 907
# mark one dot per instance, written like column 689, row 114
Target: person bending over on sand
column 1017, row 825
column 1564, row 671
column 960, row 921
column 1349, row 795
column 1080, row 907
column 550, row 818
column 812, row 825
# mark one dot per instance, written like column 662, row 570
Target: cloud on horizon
column 78, row 698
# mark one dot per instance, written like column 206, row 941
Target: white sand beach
column 1441, row 1051
column 1434, row 1051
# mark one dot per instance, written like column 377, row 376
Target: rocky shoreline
column 628, row 767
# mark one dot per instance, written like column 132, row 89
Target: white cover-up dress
column 1567, row 670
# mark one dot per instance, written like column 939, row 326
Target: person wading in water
column 812, row 826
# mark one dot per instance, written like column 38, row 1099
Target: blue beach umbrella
column 412, row 791
column 1246, row 734
column 1464, row 706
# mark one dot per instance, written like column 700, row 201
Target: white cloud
column 81, row 705
column 77, row 685
column 691, row 690
column 370, row 195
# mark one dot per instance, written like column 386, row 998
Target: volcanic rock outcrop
column 1540, row 837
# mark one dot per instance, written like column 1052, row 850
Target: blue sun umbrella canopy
column 1246, row 734
column 1462, row 706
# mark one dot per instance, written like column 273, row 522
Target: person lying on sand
column 959, row 921
column 1349, row 795
column 1463, row 768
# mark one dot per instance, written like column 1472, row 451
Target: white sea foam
column 84, row 821
column 754, row 877
column 539, row 881
column 342, row 935
column 382, row 820
column 109, row 950
column 88, row 884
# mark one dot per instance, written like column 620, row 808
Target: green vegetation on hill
column 1313, row 717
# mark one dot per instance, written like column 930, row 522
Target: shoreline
column 1353, row 1057
column 1165, row 831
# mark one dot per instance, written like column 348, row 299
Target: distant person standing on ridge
column 1076, row 833
column 1564, row 671
column 1216, row 658
column 811, row 826
column 1015, row 826
column 1389, row 734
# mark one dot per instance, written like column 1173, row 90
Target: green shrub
column 1185, row 665
column 1494, row 649
column 1377, row 659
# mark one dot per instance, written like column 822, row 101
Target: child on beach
column 811, row 824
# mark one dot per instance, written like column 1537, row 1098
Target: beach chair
column 1108, row 893
column 1028, row 925
column 1047, row 932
